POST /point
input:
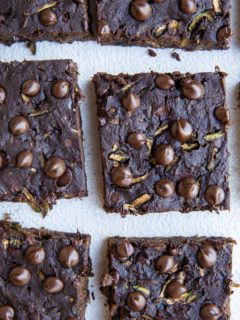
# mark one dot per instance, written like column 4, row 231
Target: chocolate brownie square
column 187, row 24
column 62, row 21
column 169, row 278
column 44, row 274
column 41, row 152
column 163, row 141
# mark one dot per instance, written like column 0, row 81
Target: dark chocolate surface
column 135, row 269
column 54, row 131
column 203, row 157
column 198, row 25
column 21, row 20
column 32, row 301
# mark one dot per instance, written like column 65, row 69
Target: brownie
column 188, row 24
column 63, row 21
column 169, row 278
column 163, row 141
column 44, row 274
column 41, row 152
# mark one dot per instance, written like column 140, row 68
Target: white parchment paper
column 87, row 215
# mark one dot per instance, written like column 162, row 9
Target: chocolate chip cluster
column 164, row 155
column 54, row 167
column 35, row 255
column 174, row 289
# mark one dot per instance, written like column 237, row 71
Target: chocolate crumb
column 176, row 56
column 152, row 53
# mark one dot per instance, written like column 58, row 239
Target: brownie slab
column 169, row 278
column 62, row 21
column 163, row 141
column 44, row 274
column 41, row 152
column 188, row 24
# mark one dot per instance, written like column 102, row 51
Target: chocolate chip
column 215, row 195
column 121, row 176
column 6, row 313
column 192, row 89
column 165, row 264
column 206, row 256
column 164, row 81
column 181, row 130
column 164, row 154
column 20, row 276
column 48, row 18
column 3, row 95
column 188, row 188
column 136, row 301
column 54, row 167
column 222, row 114
column 53, row 285
column 165, row 188
column 65, row 179
column 210, row 312
column 124, row 249
column 103, row 28
column 224, row 33
column 136, row 140
column 3, row 160
column 18, row 125
column 24, row 159
column 140, row 10
column 188, row 6
column 31, row 88
column 68, row 257
column 175, row 290
column 152, row 53
column 131, row 101
column 35, row 255
column 60, row 89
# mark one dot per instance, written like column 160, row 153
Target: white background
column 87, row 215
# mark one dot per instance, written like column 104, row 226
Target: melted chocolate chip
column 65, row 179
column 68, row 257
column 20, row 276
column 48, row 18
column 210, row 312
column 60, row 89
column 165, row 188
column 18, row 125
column 24, row 159
column 193, row 89
column 188, row 188
column 3, row 95
column 207, row 256
column 164, row 81
column 53, row 285
column 103, row 28
column 175, row 290
column 188, row 6
column 35, row 255
column 31, row 88
column 181, row 130
column 215, row 195
column 3, row 160
column 6, row 313
column 121, row 176
column 140, row 10
column 224, row 34
column 136, row 140
column 164, row 154
column 124, row 249
column 136, row 301
column 223, row 115
column 131, row 101
column 165, row 264
column 54, row 167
